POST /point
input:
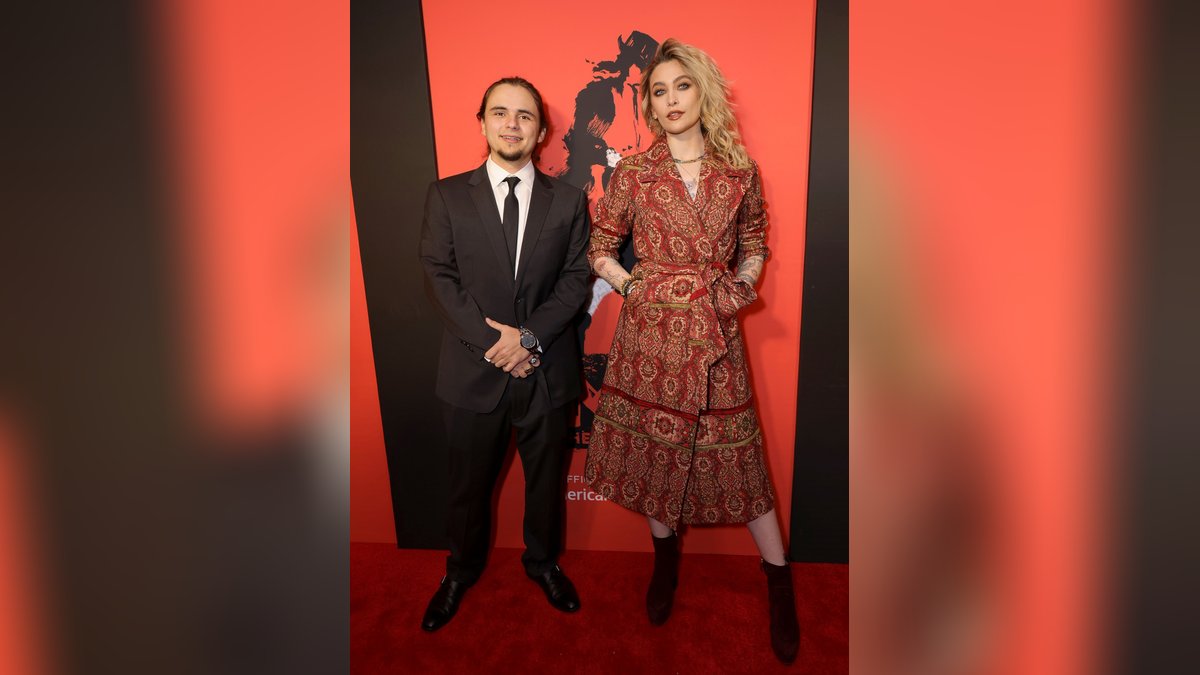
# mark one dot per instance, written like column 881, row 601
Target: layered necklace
column 692, row 185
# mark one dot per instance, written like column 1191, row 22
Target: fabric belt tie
column 705, row 277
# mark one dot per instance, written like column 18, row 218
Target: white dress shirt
column 524, row 191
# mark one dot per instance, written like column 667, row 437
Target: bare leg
column 781, row 596
column 660, row 530
column 765, row 530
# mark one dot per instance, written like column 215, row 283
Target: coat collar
column 659, row 165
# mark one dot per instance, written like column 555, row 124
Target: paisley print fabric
column 676, row 436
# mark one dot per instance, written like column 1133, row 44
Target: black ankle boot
column 661, row 594
column 785, row 629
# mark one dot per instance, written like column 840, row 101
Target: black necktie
column 512, row 216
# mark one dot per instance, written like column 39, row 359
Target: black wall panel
column 392, row 162
column 820, row 488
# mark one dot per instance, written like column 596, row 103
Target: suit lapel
column 539, row 207
column 485, row 204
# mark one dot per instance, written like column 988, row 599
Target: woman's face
column 674, row 98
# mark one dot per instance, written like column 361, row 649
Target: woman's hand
column 734, row 294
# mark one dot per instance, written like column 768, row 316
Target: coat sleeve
column 459, row 312
column 549, row 319
column 752, row 221
column 614, row 216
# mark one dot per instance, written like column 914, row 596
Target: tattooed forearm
column 611, row 271
column 750, row 269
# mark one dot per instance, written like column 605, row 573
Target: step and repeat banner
column 587, row 60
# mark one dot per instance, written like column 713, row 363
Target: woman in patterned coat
column 676, row 436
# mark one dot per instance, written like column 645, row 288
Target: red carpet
column 719, row 624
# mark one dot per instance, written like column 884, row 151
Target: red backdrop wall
column 766, row 54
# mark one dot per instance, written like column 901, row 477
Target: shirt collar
column 496, row 174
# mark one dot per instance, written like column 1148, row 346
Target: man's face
column 511, row 126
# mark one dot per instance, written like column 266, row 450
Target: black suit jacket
column 468, row 277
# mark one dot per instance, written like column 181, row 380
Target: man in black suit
column 504, row 253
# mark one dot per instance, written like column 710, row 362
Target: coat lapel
column 662, row 169
column 660, row 166
column 539, row 208
column 485, row 204
column 720, row 195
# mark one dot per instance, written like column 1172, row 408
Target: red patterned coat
column 675, row 435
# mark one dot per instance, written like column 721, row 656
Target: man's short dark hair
column 517, row 82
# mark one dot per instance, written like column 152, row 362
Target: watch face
column 528, row 341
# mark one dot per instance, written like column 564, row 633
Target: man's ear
column 482, row 129
column 542, row 136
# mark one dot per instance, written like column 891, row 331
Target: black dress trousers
column 477, row 444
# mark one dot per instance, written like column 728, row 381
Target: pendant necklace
column 692, row 185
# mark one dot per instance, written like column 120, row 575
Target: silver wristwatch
column 528, row 339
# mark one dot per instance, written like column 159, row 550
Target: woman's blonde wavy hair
column 717, row 122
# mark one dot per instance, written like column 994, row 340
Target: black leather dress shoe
column 559, row 589
column 443, row 605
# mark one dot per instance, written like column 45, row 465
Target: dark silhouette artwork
column 606, row 126
column 611, row 98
